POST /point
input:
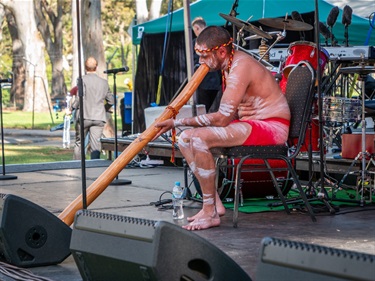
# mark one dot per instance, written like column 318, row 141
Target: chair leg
column 302, row 194
column 237, row 190
column 279, row 192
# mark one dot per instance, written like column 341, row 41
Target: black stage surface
column 55, row 186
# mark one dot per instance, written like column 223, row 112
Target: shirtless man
column 253, row 111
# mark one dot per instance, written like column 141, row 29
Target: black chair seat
column 241, row 151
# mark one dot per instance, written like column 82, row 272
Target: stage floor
column 54, row 187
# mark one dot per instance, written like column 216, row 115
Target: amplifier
column 355, row 53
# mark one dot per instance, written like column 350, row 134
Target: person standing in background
column 95, row 93
column 209, row 91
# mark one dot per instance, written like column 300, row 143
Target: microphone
column 332, row 16
column 116, row 70
column 296, row 16
column 6, row 80
column 324, row 31
column 347, row 15
column 327, row 34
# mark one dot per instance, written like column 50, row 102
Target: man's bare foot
column 220, row 209
column 203, row 221
column 220, row 213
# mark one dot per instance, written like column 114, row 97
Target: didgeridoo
column 102, row 182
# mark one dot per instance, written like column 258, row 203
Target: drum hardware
column 255, row 56
column 254, row 37
column 362, row 71
column 246, row 26
column 280, row 36
column 240, row 35
column 286, row 24
column 263, row 48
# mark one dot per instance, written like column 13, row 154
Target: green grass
column 26, row 154
column 24, row 120
column 42, row 121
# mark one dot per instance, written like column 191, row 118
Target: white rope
column 19, row 273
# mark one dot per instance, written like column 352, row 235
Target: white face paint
column 242, row 128
column 204, row 119
column 220, row 132
column 199, row 145
column 182, row 140
column 198, row 121
column 207, row 57
column 205, row 173
column 233, row 81
column 178, row 122
column 193, row 167
column 209, row 201
column 226, row 109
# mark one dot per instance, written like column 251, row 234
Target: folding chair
column 299, row 94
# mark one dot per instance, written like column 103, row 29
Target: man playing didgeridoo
column 253, row 111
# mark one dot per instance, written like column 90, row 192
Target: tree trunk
column 53, row 40
column 141, row 11
column 36, row 87
column 155, row 9
column 17, row 92
column 92, row 34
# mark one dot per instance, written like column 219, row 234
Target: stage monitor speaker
column 30, row 235
column 111, row 247
column 288, row 260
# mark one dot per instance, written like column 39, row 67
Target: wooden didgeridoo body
column 102, row 182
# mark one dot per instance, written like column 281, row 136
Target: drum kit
column 297, row 51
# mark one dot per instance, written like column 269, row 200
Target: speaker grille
column 302, row 257
column 135, row 228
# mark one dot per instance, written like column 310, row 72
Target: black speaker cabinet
column 30, row 235
column 288, row 260
column 112, row 247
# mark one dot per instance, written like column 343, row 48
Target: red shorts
column 269, row 131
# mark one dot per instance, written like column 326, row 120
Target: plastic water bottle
column 177, row 198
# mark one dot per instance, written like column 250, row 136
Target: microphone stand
column 322, row 194
column 346, row 35
column 3, row 176
column 81, row 121
column 116, row 181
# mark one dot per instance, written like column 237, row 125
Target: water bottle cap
column 177, row 183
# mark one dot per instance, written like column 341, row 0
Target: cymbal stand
column 279, row 37
column 240, row 34
column 322, row 194
column 364, row 173
column 117, row 181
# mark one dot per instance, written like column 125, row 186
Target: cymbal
column 363, row 70
column 246, row 26
column 287, row 24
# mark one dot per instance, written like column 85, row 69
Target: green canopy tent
column 151, row 37
column 258, row 9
